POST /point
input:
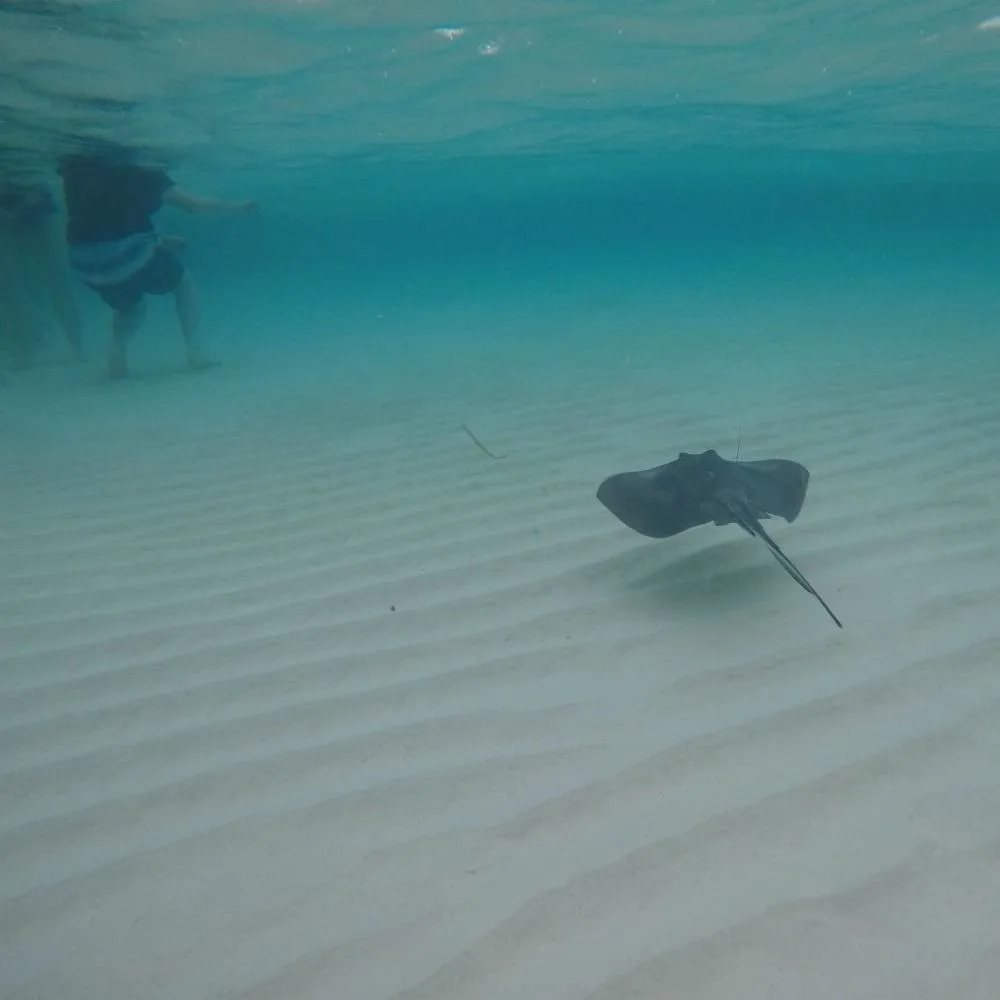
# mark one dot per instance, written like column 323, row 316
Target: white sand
column 571, row 763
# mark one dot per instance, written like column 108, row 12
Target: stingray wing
column 774, row 486
column 657, row 503
column 751, row 524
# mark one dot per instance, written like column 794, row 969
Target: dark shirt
column 107, row 201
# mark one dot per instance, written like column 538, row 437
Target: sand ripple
column 300, row 714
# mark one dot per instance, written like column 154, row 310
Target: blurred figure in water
column 113, row 246
column 34, row 277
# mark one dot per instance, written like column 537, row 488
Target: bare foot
column 197, row 362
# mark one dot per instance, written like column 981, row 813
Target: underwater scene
column 499, row 501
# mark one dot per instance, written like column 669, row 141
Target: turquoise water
column 301, row 695
column 818, row 176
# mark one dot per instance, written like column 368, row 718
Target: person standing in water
column 114, row 247
column 34, row 277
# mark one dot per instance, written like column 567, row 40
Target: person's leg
column 124, row 324
column 188, row 315
column 49, row 252
column 22, row 332
column 164, row 275
column 128, row 311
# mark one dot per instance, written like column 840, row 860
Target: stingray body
column 708, row 489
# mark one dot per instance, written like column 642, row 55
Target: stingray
column 708, row 489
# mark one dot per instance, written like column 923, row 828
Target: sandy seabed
column 303, row 696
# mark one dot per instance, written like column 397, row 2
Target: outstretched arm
column 196, row 205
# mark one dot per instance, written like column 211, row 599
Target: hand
column 247, row 208
column 175, row 244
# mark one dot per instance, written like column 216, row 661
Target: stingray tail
column 752, row 526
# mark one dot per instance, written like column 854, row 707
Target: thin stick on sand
column 479, row 444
